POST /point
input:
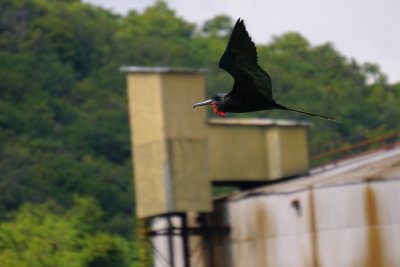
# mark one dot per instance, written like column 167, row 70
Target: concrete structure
column 168, row 140
column 256, row 149
column 345, row 214
column 177, row 155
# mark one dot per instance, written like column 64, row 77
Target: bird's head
column 216, row 102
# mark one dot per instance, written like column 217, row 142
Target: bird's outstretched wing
column 240, row 61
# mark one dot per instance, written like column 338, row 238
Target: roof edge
column 160, row 69
column 258, row 122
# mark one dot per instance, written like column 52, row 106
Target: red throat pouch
column 216, row 111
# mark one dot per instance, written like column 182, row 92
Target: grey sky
column 367, row 30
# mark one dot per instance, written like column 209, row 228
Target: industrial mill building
column 286, row 213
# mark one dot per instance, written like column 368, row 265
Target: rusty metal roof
column 343, row 214
column 377, row 165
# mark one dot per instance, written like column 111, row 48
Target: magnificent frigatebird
column 252, row 88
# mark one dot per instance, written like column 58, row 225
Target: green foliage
column 319, row 79
column 220, row 26
column 155, row 37
column 103, row 251
column 48, row 235
column 57, row 114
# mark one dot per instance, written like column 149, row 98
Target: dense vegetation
column 64, row 127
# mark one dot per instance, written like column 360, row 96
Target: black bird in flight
column 252, row 88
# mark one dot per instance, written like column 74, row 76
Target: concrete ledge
column 159, row 69
column 258, row 122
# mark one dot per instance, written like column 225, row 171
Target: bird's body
column 252, row 88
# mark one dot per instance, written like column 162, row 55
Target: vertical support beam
column 208, row 241
column 171, row 253
column 185, row 240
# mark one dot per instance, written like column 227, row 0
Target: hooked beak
column 207, row 102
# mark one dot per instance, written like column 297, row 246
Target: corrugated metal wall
column 345, row 214
column 344, row 225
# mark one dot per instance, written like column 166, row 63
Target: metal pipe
column 170, row 242
column 185, row 240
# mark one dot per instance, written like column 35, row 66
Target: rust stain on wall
column 261, row 220
column 375, row 257
column 262, row 229
column 313, row 231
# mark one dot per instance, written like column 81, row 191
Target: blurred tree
column 320, row 79
column 46, row 235
column 155, row 37
column 52, row 144
column 219, row 26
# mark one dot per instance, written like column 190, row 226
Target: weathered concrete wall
column 176, row 154
column 256, row 149
column 168, row 141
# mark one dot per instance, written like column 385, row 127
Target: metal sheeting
column 348, row 215
column 167, row 249
column 353, row 225
column 343, row 215
column 378, row 165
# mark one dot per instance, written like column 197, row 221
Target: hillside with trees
column 64, row 132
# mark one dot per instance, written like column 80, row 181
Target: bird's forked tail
column 307, row 113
